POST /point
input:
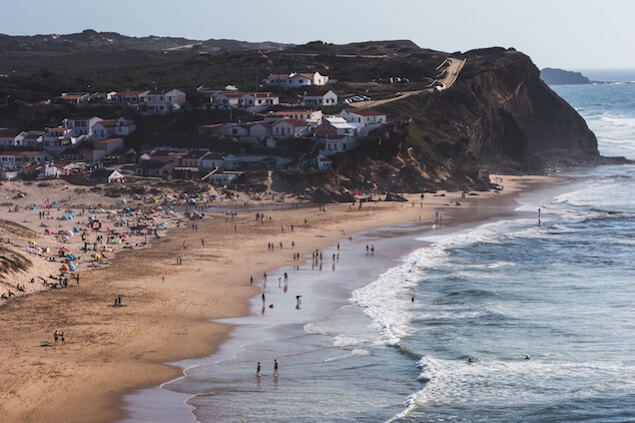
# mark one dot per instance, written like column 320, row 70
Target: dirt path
column 450, row 78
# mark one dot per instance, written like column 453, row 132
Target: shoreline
column 116, row 353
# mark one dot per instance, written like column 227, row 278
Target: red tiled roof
column 306, row 75
column 72, row 97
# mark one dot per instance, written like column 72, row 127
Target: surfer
column 258, row 370
column 275, row 367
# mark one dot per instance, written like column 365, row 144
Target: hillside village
column 299, row 111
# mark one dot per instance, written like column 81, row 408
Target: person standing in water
column 258, row 368
column 275, row 367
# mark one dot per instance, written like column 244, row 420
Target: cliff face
column 523, row 123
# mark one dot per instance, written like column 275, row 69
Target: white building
column 80, row 126
column 320, row 98
column 288, row 128
column 107, row 128
column 293, row 79
column 310, row 116
column 365, row 117
column 258, row 100
column 159, row 102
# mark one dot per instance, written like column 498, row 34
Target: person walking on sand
column 263, row 298
column 251, row 280
column 62, row 338
column 55, row 337
column 258, row 368
column 275, row 367
column 286, row 276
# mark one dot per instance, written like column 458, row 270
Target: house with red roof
column 73, row 98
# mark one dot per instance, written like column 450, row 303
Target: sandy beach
column 166, row 307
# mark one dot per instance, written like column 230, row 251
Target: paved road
column 450, row 77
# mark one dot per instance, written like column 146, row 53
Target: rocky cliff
column 498, row 116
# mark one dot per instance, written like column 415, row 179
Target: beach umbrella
column 70, row 256
column 101, row 210
column 55, row 203
column 47, row 231
column 124, row 201
column 91, row 218
column 32, row 207
column 71, row 267
column 171, row 207
column 75, row 229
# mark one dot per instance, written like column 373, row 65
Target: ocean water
column 358, row 349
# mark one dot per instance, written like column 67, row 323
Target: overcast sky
column 574, row 34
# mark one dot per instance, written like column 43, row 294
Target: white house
column 293, row 79
column 158, row 102
column 54, row 139
column 8, row 136
column 225, row 99
column 258, row 100
column 80, row 126
column 103, row 129
column 365, row 117
column 320, row 98
column 287, row 128
column 311, row 116
column 107, row 128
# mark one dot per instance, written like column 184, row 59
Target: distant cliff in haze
column 562, row 77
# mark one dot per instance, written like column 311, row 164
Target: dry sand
column 112, row 350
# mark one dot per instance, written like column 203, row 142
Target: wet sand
column 112, row 351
